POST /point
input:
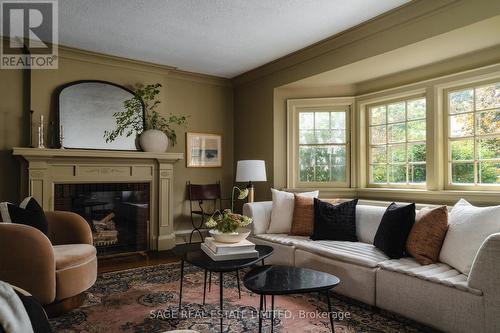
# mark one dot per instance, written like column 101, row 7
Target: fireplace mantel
column 36, row 153
column 46, row 167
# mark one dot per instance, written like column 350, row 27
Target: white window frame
column 449, row 185
column 407, row 185
column 295, row 106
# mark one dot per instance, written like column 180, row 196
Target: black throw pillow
column 394, row 229
column 36, row 313
column 29, row 213
column 335, row 222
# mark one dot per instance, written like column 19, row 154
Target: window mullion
column 406, row 144
column 386, row 145
column 474, row 132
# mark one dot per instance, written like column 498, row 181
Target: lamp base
column 251, row 192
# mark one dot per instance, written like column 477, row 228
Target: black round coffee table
column 284, row 280
column 193, row 254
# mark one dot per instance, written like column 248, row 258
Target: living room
column 236, row 166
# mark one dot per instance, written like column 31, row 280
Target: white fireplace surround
column 46, row 167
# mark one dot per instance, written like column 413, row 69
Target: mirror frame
column 61, row 88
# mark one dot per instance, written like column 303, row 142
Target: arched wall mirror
column 85, row 111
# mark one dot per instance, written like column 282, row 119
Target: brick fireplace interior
column 117, row 213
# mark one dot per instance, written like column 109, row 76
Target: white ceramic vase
column 154, row 141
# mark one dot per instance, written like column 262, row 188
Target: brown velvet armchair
column 53, row 268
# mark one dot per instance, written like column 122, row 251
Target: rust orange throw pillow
column 303, row 215
column 427, row 235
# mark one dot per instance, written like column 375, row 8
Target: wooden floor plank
column 135, row 260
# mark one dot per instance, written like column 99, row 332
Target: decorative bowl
column 229, row 237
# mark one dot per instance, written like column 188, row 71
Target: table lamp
column 251, row 171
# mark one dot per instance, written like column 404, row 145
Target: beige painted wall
column 207, row 100
column 259, row 96
column 10, row 132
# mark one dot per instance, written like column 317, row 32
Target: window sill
column 427, row 196
column 326, row 192
column 444, row 197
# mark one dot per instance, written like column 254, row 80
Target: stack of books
column 229, row 251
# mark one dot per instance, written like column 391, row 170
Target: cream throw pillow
column 468, row 227
column 282, row 211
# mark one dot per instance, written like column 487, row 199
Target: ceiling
column 217, row 37
column 439, row 48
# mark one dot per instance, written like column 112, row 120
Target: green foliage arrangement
column 227, row 221
column 131, row 122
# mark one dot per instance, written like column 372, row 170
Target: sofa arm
column 68, row 228
column 260, row 212
column 27, row 261
column 485, row 276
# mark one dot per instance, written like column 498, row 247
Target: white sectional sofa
column 436, row 295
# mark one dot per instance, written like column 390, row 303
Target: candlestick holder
column 61, row 138
column 31, row 144
column 41, row 137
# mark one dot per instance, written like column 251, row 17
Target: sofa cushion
column 29, row 213
column 356, row 281
column 283, row 239
column 469, row 227
column 73, row 255
column 303, row 216
column 282, row 211
column 75, row 279
column 335, row 222
column 438, row 273
column 260, row 212
column 394, row 229
column 367, row 221
column 427, row 235
column 282, row 254
column 352, row 252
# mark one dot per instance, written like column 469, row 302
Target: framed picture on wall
column 203, row 150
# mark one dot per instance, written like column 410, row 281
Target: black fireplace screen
column 118, row 213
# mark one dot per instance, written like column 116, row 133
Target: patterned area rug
column 146, row 300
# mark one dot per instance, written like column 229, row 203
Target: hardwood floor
column 135, row 260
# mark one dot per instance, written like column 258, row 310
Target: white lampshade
column 251, row 171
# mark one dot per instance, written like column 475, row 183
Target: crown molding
column 72, row 53
column 144, row 66
column 200, row 78
column 412, row 13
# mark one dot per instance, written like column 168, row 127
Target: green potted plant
column 155, row 131
column 228, row 227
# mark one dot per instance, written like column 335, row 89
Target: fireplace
column 117, row 213
column 49, row 170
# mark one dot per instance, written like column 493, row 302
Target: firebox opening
column 117, row 213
